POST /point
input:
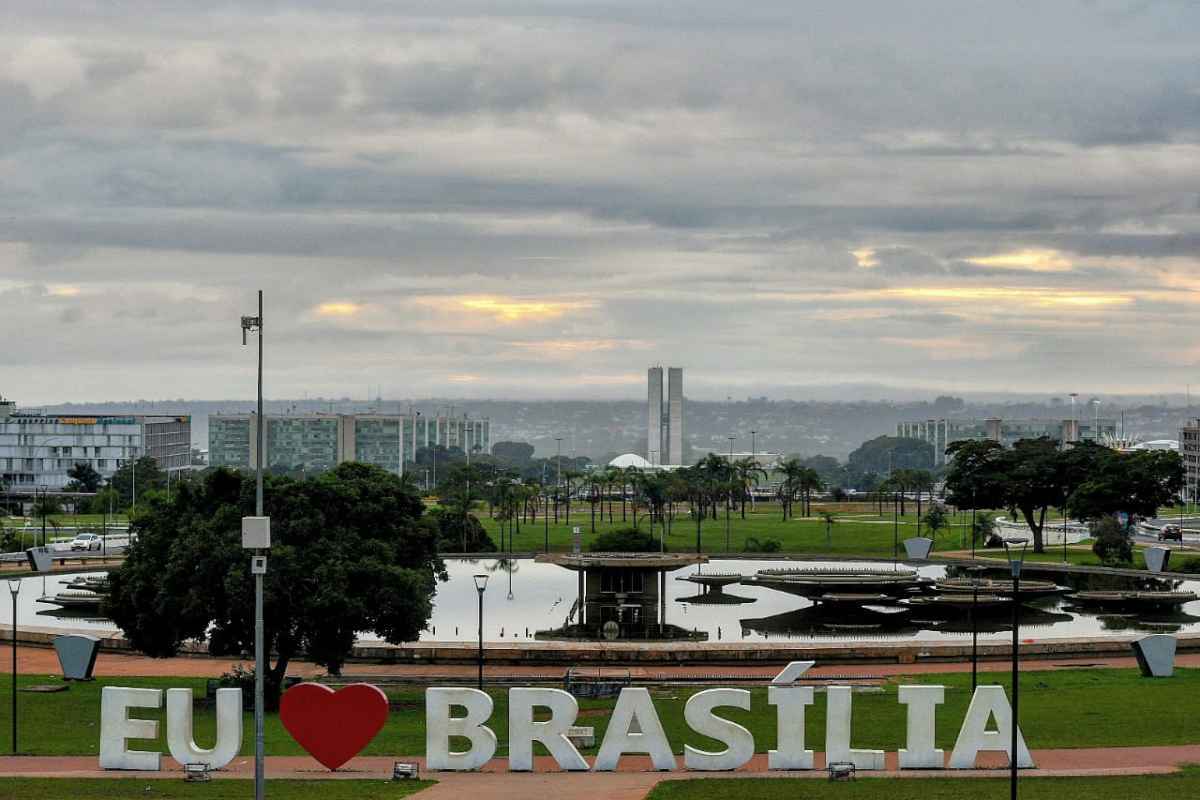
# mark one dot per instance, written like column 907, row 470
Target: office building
column 38, row 450
column 941, row 433
column 664, row 420
column 317, row 442
column 1189, row 450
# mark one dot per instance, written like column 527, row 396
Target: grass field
column 860, row 532
column 1182, row 784
column 134, row 788
column 1070, row 708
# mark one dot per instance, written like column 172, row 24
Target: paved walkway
column 43, row 661
column 633, row 780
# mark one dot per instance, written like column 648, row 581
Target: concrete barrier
column 1156, row 655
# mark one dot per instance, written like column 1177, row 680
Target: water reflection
column 524, row 597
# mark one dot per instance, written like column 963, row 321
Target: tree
column 624, row 540
column 84, row 478
column 517, row 454
column 148, row 477
column 349, row 554
column 885, row 454
column 1111, row 544
column 829, row 520
column 1135, row 484
column 46, row 505
column 973, row 479
column 935, row 520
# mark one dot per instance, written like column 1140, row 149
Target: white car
column 87, row 541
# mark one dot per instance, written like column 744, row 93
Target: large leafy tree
column 1136, row 483
column 885, row 454
column 349, row 554
column 84, row 478
column 144, row 474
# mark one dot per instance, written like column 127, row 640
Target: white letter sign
column 739, row 743
column 974, row 736
column 523, row 731
column 229, row 728
column 116, row 728
column 922, row 702
column 837, row 732
column 440, row 726
column 634, row 704
column 789, row 723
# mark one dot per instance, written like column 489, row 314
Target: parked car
column 1171, row 533
column 87, row 541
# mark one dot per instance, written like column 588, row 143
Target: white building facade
column 37, row 451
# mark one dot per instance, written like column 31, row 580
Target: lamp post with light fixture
column 14, row 588
column 257, row 537
column 1014, row 549
column 480, row 587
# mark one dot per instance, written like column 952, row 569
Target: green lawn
column 221, row 789
column 1185, row 783
column 862, row 533
column 1071, row 708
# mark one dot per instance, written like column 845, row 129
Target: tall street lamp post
column 258, row 562
column 895, row 533
column 558, row 479
column 729, row 496
column 975, row 577
column 14, row 588
column 480, row 587
column 1014, row 549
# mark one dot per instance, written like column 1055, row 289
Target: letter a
column 634, row 704
column 988, row 701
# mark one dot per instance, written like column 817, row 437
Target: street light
column 1014, row 549
column 481, row 586
column 975, row 573
column 259, row 539
column 14, row 588
column 729, row 497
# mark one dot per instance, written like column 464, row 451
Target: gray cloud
column 544, row 196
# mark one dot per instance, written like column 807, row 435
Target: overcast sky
column 539, row 199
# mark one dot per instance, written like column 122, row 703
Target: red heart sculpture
column 332, row 726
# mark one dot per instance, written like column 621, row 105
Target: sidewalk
column 43, row 661
column 633, row 780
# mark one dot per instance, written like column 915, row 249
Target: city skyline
column 533, row 201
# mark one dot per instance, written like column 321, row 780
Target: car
column 1171, row 533
column 87, row 541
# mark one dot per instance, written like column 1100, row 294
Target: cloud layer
column 541, row 199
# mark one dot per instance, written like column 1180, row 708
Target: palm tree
column 829, row 519
column 792, row 469
column 747, row 472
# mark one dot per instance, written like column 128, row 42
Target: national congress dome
column 630, row 460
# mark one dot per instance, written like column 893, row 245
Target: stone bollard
column 918, row 548
column 1157, row 558
column 1156, row 655
column 77, row 655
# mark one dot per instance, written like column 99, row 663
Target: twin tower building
column 664, row 420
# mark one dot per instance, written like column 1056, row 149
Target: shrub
column 625, row 540
column 1110, row 544
column 754, row 545
column 1190, row 566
